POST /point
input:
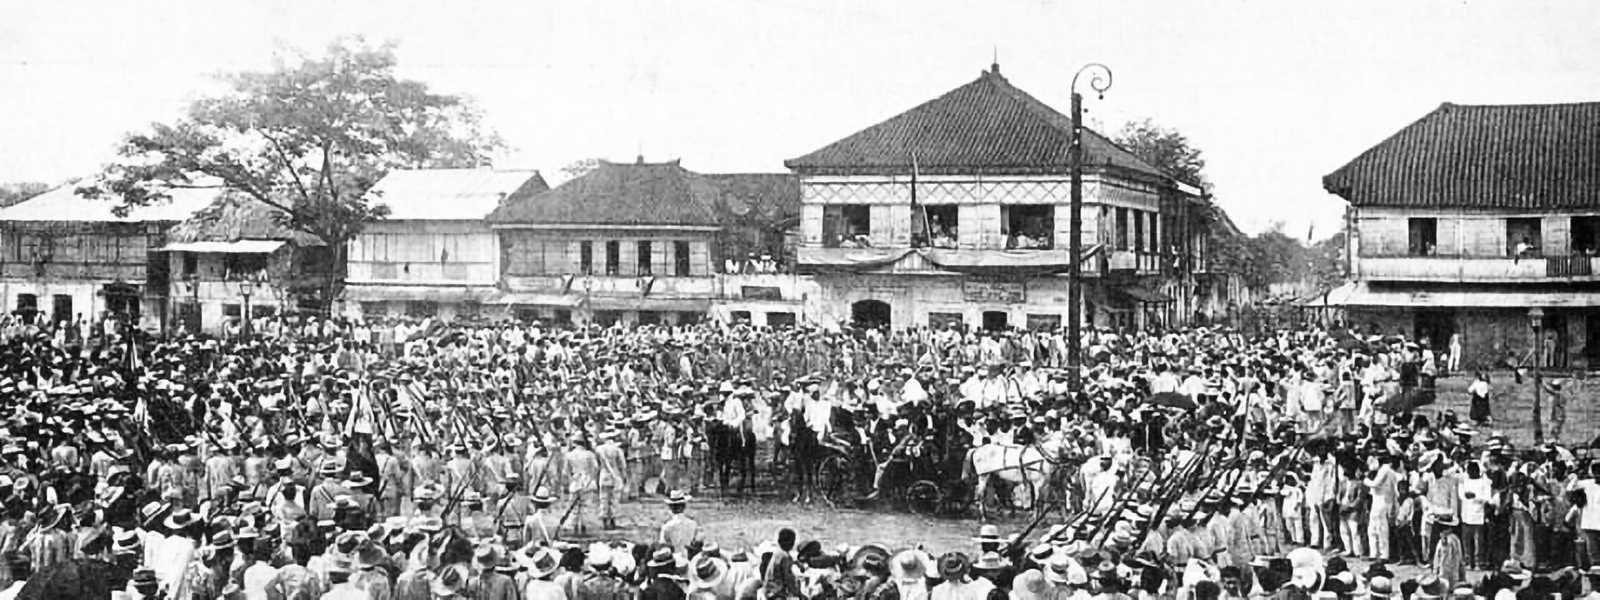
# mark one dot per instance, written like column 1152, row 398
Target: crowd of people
column 413, row 460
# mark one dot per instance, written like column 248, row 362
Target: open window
column 644, row 256
column 680, row 258
column 847, row 226
column 613, row 258
column 1523, row 237
column 1423, row 236
column 1585, row 236
column 1029, row 227
column 586, row 257
column 939, row 230
column 243, row 266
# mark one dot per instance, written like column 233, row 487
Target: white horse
column 1027, row 468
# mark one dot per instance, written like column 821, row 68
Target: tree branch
column 287, row 164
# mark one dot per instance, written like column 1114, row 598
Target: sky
column 1275, row 93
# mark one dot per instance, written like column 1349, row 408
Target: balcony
column 934, row 260
column 1478, row 269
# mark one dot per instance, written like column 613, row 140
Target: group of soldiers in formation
column 425, row 460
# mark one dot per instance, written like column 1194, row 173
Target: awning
column 556, row 300
column 1144, row 294
column 1363, row 294
column 419, row 293
column 239, row 247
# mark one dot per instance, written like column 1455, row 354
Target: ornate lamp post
column 1099, row 80
column 246, row 287
column 1536, row 321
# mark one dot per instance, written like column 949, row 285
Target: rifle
column 1172, row 491
column 1115, row 511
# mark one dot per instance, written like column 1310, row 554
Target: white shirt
column 1589, row 519
column 1472, row 512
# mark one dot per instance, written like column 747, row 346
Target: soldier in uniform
column 540, row 525
column 511, row 512
column 392, row 482
column 323, row 494
column 475, row 522
column 583, row 480
column 612, row 477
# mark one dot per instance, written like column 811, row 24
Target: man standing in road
column 583, row 480
column 613, row 478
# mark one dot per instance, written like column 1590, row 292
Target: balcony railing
column 1483, row 269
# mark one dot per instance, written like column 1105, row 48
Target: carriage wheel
column 923, row 497
column 833, row 479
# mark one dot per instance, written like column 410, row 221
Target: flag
column 360, row 419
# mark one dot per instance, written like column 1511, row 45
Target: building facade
column 64, row 256
column 1469, row 218
column 957, row 212
column 434, row 254
column 640, row 243
column 233, row 258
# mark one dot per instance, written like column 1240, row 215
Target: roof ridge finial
column 994, row 63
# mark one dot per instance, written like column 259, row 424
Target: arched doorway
column 870, row 314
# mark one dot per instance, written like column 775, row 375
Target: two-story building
column 1468, row 218
column 957, row 211
column 234, row 258
column 636, row 243
column 63, row 255
column 434, row 254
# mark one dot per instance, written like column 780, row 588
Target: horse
column 1028, row 467
column 731, row 449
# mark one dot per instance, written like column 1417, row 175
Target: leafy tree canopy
column 308, row 137
column 1166, row 149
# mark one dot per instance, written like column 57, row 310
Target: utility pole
column 1099, row 81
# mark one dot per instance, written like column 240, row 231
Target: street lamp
column 1099, row 80
column 588, row 301
column 1536, row 321
column 246, row 287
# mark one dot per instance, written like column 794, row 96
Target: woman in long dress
column 1479, row 393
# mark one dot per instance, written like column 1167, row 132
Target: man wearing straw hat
column 679, row 531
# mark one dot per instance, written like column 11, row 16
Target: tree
column 308, row 138
column 12, row 193
column 579, row 168
column 1166, row 149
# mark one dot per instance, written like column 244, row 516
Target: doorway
column 1591, row 341
column 1434, row 328
column 870, row 314
column 994, row 320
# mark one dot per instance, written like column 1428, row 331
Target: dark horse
column 732, row 449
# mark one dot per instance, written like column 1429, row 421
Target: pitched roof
column 1527, row 156
column 451, row 194
column 235, row 217
column 985, row 126
column 66, row 204
column 649, row 194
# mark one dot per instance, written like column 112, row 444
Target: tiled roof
column 451, row 194
column 651, row 195
column 987, row 126
column 1529, row 156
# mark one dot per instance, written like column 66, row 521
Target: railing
column 1466, row 269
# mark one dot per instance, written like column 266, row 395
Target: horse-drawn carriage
column 847, row 468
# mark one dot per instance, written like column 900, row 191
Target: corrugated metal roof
column 985, row 126
column 1525, row 156
column 451, row 194
column 66, row 204
column 238, row 247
